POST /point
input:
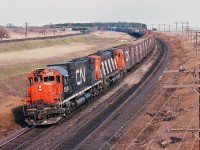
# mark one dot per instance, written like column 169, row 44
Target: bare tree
column 4, row 33
column 10, row 25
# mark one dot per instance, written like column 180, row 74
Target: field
column 17, row 59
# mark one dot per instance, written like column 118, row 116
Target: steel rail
column 110, row 116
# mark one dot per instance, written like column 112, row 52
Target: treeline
column 101, row 25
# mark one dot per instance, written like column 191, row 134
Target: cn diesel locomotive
column 58, row 89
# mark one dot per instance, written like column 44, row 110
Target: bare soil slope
column 169, row 108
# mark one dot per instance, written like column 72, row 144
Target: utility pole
column 197, row 35
column 152, row 26
column 159, row 27
column 182, row 27
column 183, row 23
column 169, row 28
column 191, row 35
column 26, row 29
column 164, row 27
column 187, row 31
column 176, row 26
column 196, row 41
column 54, row 31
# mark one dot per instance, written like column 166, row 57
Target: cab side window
column 30, row 81
column 58, row 79
column 65, row 81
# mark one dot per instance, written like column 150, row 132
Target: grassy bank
column 35, row 44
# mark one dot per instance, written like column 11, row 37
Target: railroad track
column 80, row 134
column 93, row 127
column 22, row 138
column 28, row 136
column 110, row 142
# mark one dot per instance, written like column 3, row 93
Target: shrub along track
column 83, row 128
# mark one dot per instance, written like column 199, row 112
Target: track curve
column 113, row 110
column 105, row 123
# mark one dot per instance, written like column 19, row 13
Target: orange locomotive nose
column 44, row 86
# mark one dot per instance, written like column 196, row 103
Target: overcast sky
column 39, row 12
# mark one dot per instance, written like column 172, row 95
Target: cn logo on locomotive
column 80, row 76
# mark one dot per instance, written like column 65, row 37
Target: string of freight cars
column 59, row 89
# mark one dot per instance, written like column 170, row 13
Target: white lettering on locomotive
column 80, row 73
column 109, row 64
column 113, row 64
column 102, row 66
column 107, row 70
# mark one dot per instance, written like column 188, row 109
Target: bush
column 4, row 33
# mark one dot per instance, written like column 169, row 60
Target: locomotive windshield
column 38, row 79
column 49, row 79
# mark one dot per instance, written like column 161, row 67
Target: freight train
column 136, row 32
column 59, row 89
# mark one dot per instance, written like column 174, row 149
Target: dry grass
column 183, row 105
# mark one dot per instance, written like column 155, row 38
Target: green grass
column 19, row 69
column 34, row 44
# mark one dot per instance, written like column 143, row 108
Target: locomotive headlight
column 39, row 88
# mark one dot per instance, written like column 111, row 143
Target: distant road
column 40, row 38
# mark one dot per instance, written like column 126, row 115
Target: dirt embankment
column 169, row 108
column 16, row 60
